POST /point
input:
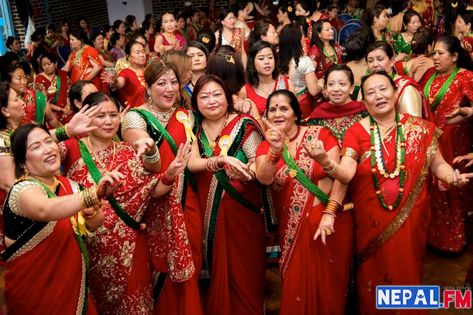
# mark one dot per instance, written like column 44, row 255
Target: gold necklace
column 102, row 166
column 163, row 117
column 213, row 142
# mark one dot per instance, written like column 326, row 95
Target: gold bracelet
column 272, row 157
column 67, row 131
column 90, row 216
column 89, row 198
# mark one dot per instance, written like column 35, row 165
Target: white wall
column 119, row 9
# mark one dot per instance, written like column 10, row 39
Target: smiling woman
column 299, row 187
column 391, row 204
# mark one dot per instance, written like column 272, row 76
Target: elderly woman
column 124, row 286
column 177, row 253
column 300, row 188
column 45, row 217
column 234, row 229
column 386, row 158
column 410, row 99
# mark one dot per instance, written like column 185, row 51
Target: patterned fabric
column 133, row 92
column 120, row 275
column 50, row 264
column 323, row 61
column 400, row 45
column 379, row 232
column 309, row 267
column 79, row 62
column 50, row 89
column 447, row 230
column 5, row 146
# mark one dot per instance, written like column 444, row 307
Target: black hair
column 356, row 45
column 117, row 24
column 293, row 102
column 339, row 67
column 222, row 14
column 382, row 45
column 75, row 93
column 198, row 45
column 251, row 73
column 115, row 38
column 261, row 28
column 9, row 70
column 207, row 37
column 10, row 41
column 95, row 98
column 228, row 67
column 289, row 47
column 421, row 40
column 48, row 55
column 4, row 95
column 406, row 18
column 287, row 7
column 453, row 45
column 316, row 41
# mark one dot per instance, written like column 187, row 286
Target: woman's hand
column 243, row 105
column 235, row 169
column 109, row 183
column 317, row 152
column 145, row 146
column 460, row 111
column 325, row 227
column 274, row 136
column 467, row 157
column 456, row 179
column 80, row 124
column 179, row 163
column 124, row 111
column 109, row 78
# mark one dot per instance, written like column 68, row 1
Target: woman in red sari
column 324, row 52
column 262, row 76
column 299, row 187
column 36, row 108
column 84, row 62
column 176, row 254
column 120, row 277
column 340, row 112
column 448, row 90
column 410, row 99
column 234, row 226
column 53, row 84
column 386, row 158
column 45, row 253
column 130, row 82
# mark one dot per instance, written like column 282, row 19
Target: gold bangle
column 90, row 216
column 67, row 131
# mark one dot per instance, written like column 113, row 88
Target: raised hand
column 80, row 124
column 109, row 183
column 274, row 136
column 456, row 179
column 317, row 152
column 179, row 163
column 236, row 169
column 325, row 227
column 144, row 146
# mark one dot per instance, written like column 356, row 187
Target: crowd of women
column 151, row 162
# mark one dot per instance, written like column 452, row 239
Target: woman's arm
column 95, row 69
column 7, row 175
column 51, row 117
column 312, row 84
column 443, row 171
column 134, row 135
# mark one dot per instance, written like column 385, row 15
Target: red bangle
column 166, row 181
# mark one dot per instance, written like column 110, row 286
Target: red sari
column 447, row 229
column 47, row 275
column 79, row 64
column 309, row 268
column 178, row 251
column 120, row 275
column 323, row 61
column 35, row 107
column 260, row 101
column 133, row 92
column 402, row 82
column 382, row 234
column 56, row 92
column 234, row 236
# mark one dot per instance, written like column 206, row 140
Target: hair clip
column 162, row 62
column 205, row 40
column 229, row 59
column 289, row 9
column 454, row 4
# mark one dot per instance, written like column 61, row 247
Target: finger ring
column 328, row 232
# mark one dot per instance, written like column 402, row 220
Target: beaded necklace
column 378, row 162
column 333, row 60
